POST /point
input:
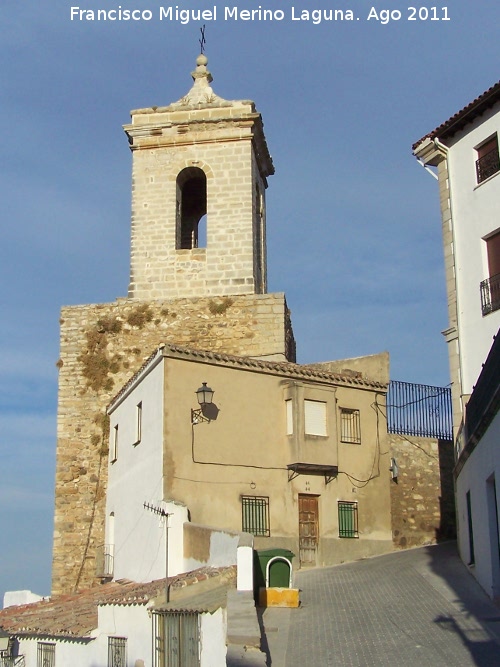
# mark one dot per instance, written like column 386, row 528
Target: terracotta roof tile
column 75, row 615
column 464, row 116
column 286, row 368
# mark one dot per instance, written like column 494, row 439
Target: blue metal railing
column 419, row 410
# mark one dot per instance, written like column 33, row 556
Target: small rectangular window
column 348, row 519
column 117, row 651
column 488, row 162
column 46, row 655
column 255, row 515
column 113, row 454
column 315, row 417
column 350, row 428
column 289, row 416
column 138, row 423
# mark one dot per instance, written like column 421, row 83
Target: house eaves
column 466, row 115
column 285, row 369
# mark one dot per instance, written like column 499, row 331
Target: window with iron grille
column 488, row 159
column 117, row 652
column 176, row 639
column 490, row 288
column 348, row 519
column 350, row 428
column 255, row 515
column 46, row 655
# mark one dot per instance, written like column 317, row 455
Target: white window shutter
column 315, row 417
column 289, row 417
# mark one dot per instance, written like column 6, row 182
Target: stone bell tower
column 200, row 168
column 198, row 279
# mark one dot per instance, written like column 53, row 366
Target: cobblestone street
column 417, row 607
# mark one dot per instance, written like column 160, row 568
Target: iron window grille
column 255, row 515
column 490, row 294
column 348, row 519
column 117, row 652
column 176, row 639
column 350, row 426
column 46, row 655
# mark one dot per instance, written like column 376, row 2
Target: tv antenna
column 159, row 511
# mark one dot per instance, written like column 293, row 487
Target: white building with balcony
column 465, row 151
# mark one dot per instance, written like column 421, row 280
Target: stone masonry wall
column 225, row 266
column 101, row 347
column 422, row 498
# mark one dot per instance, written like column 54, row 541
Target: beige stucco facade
column 253, row 448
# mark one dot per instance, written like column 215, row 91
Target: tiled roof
column 286, row 368
column 464, row 116
column 75, row 615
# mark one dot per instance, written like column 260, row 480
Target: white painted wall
column 136, row 477
column 130, row 621
column 134, row 623
column 213, row 630
column 223, row 547
column 475, row 215
column 483, row 463
column 13, row 598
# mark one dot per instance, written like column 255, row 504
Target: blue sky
column 353, row 221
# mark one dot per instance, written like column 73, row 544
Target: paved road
column 416, row 608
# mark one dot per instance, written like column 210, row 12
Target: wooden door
column 308, row 529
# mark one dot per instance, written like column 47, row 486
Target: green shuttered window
column 255, row 515
column 348, row 519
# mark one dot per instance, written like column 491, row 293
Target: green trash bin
column 279, row 569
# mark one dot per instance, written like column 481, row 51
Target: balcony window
column 488, row 162
column 104, row 561
column 490, row 288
